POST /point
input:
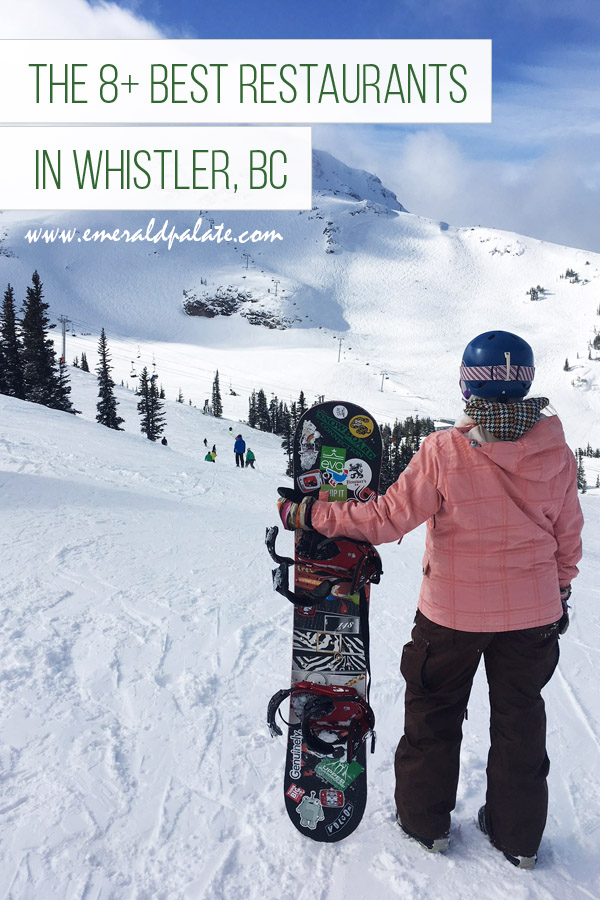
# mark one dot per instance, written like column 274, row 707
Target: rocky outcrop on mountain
column 225, row 301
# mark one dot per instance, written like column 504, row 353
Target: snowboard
column 337, row 453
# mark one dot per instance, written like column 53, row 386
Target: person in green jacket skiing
column 250, row 458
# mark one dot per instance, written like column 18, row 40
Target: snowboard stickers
column 337, row 457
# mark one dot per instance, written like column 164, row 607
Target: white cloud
column 534, row 170
column 71, row 19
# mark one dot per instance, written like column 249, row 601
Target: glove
column 294, row 509
column 563, row 624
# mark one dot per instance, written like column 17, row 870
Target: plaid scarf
column 507, row 421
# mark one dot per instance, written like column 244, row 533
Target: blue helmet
column 497, row 365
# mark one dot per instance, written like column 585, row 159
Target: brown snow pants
column 438, row 665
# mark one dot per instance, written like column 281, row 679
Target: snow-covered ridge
column 332, row 178
column 393, row 296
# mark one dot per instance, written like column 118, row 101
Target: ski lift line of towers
column 247, row 384
column 244, row 380
column 134, row 374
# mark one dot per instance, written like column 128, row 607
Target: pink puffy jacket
column 503, row 525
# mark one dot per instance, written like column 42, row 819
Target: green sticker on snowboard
column 338, row 773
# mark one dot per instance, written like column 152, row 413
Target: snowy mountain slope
column 403, row 293
column 140, row 644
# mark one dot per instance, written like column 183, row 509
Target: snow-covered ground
column 140, row 643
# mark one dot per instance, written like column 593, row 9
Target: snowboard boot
column 521, row 862
column 432, row 845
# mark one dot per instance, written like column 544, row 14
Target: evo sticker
column 361, row 427
column 339, row 773
column 333, row 460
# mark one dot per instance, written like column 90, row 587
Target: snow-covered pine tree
column 581, row 479
column 217, row 403
column 62, row 400
column 180, row 396
column 11, row 347
column 150, row 407
column 287, row 430
column 40, row 369
column 262, row 411
column 3, row 381
column 107, row 402
column 85, row 366
column 301, row 406
column 252, row 416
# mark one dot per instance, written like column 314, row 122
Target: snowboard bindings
column 334, row 720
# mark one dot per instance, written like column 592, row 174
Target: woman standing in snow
column 499, row 495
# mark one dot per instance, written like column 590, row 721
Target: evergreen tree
column 40, row 369
column 3, row 381
column 150, row 407
column 161, row 393
column 287, row 431
column 107, row 402
column 76, row 363
column 180, row 396
column 387, row 475
column 11, row 350
column 302, row 407
column 85, row 366
column 566, row 365
column 273, row 415
column 217, row 404
column 252, row 415
column 62, row 400
column 262, row 411
column 581, row 479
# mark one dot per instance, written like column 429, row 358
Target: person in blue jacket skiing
column 239, row 449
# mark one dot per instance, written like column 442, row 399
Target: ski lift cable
column 245, row 380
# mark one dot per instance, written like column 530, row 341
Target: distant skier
column 239, row 448
column 499, row 494
column 205, row 442
column 164, row 442
column 250, row 458
column 214, row 449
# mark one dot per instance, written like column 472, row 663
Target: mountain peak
column 332, row 178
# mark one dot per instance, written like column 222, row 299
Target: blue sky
column 535, row 169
